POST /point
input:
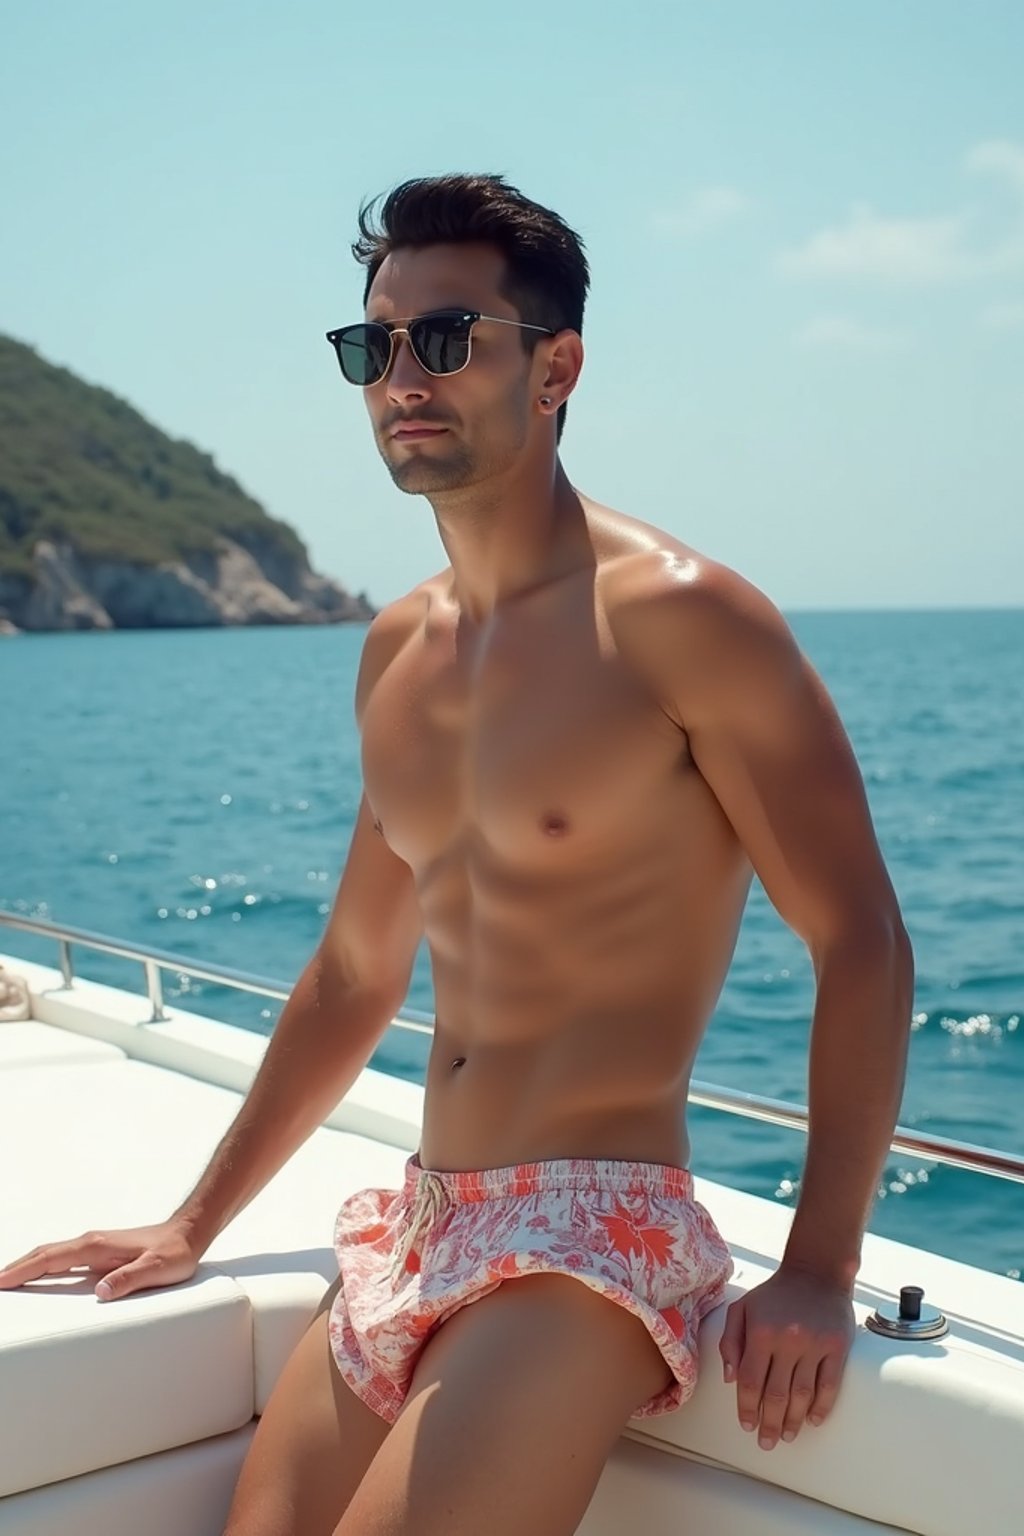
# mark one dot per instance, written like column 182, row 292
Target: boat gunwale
column 734, row 1101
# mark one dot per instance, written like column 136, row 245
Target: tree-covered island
column 108, row 523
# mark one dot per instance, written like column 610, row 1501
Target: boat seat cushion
column 118, row 1143
column 83, row 1385
column 27, row 1043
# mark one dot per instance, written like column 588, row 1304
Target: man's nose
column 407, row 380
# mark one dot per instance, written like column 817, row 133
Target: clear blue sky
column 805, row 222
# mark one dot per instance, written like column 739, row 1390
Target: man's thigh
column 312, row 1446
column 515, row 1405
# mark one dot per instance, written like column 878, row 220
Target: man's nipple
column 555, row 824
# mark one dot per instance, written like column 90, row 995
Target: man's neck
column 505, row 540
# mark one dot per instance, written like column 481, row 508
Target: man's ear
column 563, row 365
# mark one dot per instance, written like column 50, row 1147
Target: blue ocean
column 195, row 790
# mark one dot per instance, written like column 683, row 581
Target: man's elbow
column 902, row 966
column 874, row 943
column 887, row 948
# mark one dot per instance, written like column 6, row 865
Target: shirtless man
column 579, row 739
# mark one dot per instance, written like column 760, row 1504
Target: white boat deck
column 135, row 1414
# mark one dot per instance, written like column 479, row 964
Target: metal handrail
column 156, row 960
column 751, row 1106
column 933, row 1149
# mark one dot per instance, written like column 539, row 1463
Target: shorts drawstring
column 431, row 1198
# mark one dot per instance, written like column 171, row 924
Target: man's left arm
column 768, row 741
column 786, row 1342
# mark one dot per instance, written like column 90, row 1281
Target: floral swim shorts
column 409, row 1258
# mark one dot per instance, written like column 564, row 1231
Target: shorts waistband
column 521, row 1179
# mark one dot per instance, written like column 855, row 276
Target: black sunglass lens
column 441, row 342
column 363, row 352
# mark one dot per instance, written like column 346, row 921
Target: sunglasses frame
column 470, row 316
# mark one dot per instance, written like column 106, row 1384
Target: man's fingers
column 10, row 1275
column 775, row 1400
column 801, row 1396
column 730, row 1345
column 142, row 1272
column 830, row 1373
column 797, row 1333
column 152, row 1268
column 55, row 1259
column 122, row 1262
column 751, row 1375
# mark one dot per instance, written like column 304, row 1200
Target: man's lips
column 410, row 429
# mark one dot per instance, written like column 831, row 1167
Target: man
column 579, row 739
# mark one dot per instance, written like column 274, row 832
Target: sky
column 804, row 221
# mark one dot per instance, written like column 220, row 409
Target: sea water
column 196, row 790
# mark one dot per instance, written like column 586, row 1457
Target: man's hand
column 132, row 1260
column 785, row 1345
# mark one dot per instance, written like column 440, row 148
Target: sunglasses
column 441, row 343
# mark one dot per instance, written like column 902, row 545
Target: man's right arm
column 338, row 1010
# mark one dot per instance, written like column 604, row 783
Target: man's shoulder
column 692, row 627
column 392, row 629
column 660, row 587
column 399, row 619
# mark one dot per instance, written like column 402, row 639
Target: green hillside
column 79, row 465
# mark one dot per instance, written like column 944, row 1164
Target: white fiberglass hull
column 136, row 1415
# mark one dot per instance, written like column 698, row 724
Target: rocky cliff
column 107, row 523
column 68, row 590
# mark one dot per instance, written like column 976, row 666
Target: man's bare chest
column 544, row 740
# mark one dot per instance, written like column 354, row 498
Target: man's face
column 483, row 412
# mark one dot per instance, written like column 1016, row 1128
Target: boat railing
column 751, row 1106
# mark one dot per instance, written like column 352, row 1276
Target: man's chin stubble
column 419, row 476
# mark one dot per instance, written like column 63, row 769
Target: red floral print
column 654, row 1243
column 408, row 1258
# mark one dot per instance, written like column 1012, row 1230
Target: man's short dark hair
column 546, row 270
